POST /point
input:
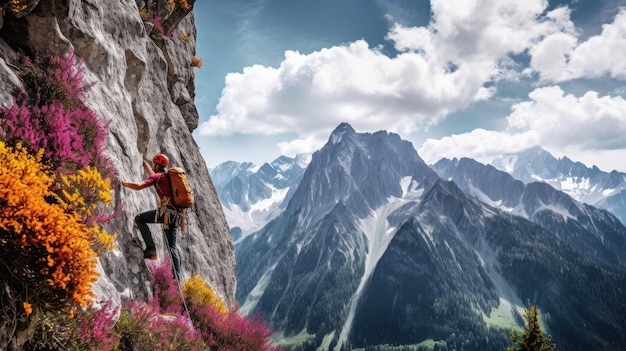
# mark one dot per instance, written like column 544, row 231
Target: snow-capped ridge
column 587, row 184
column 543, row 204
column 252, row 195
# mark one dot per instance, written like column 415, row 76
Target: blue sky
column 456, row 77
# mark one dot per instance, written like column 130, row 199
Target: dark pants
column 143, row 219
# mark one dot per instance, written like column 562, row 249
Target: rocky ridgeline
column 143, row 89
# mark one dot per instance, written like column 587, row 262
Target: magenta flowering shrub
column 142, row 327
column 71, row 139
column 87, row 330
column 156, row 22
column 54, row 78
column 94, row 330
column 220, row 330
column 159, row 12
column 49, row 114
column 160, row 323
column 231, row 331
column 165, row 288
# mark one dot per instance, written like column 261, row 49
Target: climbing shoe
column 150, row 254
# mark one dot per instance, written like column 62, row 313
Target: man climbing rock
column 165, row 213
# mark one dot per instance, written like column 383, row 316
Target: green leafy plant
column 532, row 337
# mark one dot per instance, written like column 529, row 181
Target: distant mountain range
column 573, row 221
column 251, row 196
column 374, row 247
column 589, row 185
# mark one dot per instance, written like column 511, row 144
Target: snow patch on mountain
column 379, row 234
column 259, row 213
column 571, row 184
column 428, row 231
column 408, row 185
column 556, row 209
column 256, row 293
column 506, row 163
column 251, row 195
column 253, row 168
column 265, row 205
column 482, row 197
column 335, row 139
column 235, row 214
column 504, row 315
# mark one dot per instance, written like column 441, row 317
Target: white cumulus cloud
column 352, row 83
column 563, row 123
column 559, row 57
column 564, row 120
column 479, row 144
column 441, row 68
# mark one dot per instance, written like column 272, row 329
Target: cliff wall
column 143, row 89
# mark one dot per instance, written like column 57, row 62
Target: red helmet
column 160, row 159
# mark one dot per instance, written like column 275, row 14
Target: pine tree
column 531, row 338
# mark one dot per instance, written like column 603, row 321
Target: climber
column 165, row 213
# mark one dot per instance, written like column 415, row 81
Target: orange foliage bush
column 15, row 6
column 171, row 4
column 196, row 62
column 44, row 250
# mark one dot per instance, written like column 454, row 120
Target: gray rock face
column 143, row 88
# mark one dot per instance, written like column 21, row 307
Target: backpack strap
column 157, row 183
column 167, row 208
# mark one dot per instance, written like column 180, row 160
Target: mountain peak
column 537, row 152
column 372, row 229
column 341, row 130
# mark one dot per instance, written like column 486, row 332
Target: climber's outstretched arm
column 135, row 185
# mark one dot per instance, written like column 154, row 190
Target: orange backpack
column 182, row 195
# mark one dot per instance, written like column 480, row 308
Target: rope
column 176, row 277
column 165, row 210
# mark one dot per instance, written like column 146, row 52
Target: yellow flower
column 171, row 5
column 197, row 290
column 184, row 37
